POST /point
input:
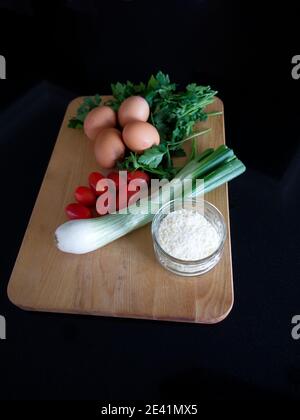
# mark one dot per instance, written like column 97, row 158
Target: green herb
column 152, row 157
column 173, row 113
column 87, row 105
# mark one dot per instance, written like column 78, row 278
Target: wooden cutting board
column 122, row 279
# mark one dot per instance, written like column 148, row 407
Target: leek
column 215, row 167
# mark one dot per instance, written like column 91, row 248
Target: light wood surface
column 122, row 279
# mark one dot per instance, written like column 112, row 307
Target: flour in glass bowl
column 187, row 235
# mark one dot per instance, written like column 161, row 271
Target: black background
column 58, row 50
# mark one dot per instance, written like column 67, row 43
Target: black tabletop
column 247, row 57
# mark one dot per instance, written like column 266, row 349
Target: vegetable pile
column 155, row 119
column 139, row 131
column 87, row 204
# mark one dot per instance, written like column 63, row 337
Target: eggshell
column 139, row 136
column 97, row 119
column 134, row 108
column 109, row 147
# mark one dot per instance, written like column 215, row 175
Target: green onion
column 216, row 167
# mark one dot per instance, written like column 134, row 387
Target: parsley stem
column 153, row 170
column 214, row 113
column 201, row 104
column 152, row 119
column 198, row 133
column 194, row 150
column 170, row 165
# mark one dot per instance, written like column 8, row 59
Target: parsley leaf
column 87, row 105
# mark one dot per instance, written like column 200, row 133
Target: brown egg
column 98, row 118
column 109, row 147
column 134, row 108
column 139, row 136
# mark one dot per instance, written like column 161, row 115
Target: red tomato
column 85, row 196
column 107, row 203
column 94, row 212
column 78, row 211
column 94, row 177
column 123, row 198
column 114, row 176
column 138, row 174
column 130, row 196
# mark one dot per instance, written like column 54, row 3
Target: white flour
column 187, row 235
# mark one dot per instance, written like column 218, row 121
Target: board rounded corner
column 220, row 102
column 225, row 313
column 11, row 296
column 74, row 102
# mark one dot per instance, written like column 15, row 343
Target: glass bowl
column 189, row 267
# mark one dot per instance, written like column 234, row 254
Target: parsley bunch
column 87, row 105
column 173, row 113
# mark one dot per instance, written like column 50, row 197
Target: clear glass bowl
column 191, row 267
